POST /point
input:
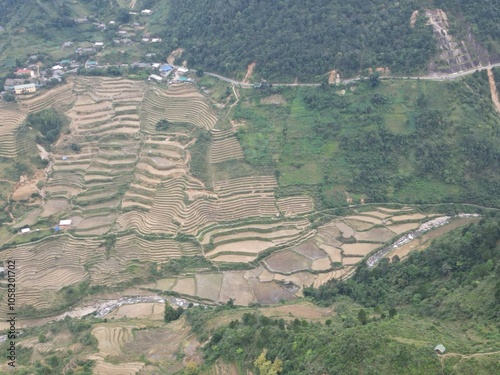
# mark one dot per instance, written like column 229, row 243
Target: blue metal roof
column 166, row 68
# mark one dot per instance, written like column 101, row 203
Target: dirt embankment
column 249, row 72
column 493, row 90
column 174, row 54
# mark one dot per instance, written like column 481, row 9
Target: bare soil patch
column 375, row 234
column 402, row 228
column 302, row 310
column 150, row 311
column 310, row 250
column 351, row 261
column 275, row 99
column 208, row 285
column 358, row 225
column 250, row 246
column 235, row 286
column 321, row 264
column 174, row 54
column 345, row 229
column 358, row 248
column 416, row 216
column 334, row 253
column 234, row 258
column 287, row 262
column 249, row 73
column 53, row 206
column 185, row 286
column 367, row 219
column 269, row 293
column 493, row 90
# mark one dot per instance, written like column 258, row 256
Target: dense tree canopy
column 301, row 39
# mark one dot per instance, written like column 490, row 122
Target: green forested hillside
column 405, row 141
column 301, row 39
column 448, row 294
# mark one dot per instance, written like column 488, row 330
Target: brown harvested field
column 185, row 286
column 334, row 253
column 323, row 278
column 235, row 286
column 250, row 234
column 375, row 235
column 150, row 311
column 269, row 293
column 350, row 261
column 208, row 285
column 402, row 228
column 310, row 250
column 250, row 246
column 368, row 219
column 345, row 229
column 416, row 216
column 379, row 214
column 97, row 221
column 287, row 262
column 53, row 206
column 358, row 225
column 162, row 284
column 321, row 264
column 360, row 249
column 301, row 310
column 234, row 258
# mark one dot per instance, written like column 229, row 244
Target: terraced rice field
column 225, row 146
column 180, row 103
column 11, row 116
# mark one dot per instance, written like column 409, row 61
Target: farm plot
column 208, row 285
column 111, row 339
column 49, row 265
column 224, row 146
column 269, row 293
column 358, row 249
column 59, row 96
column 287, row 262
column 378, row 234
column 295, row 205
column 11, row 117
column 235, row 286
column 178, row 104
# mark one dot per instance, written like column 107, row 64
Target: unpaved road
column 433, row 77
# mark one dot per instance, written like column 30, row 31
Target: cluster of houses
column 63, row 224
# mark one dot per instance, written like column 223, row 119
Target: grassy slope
column 403, row 141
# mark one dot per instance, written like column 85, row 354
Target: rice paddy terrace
column 134, row 203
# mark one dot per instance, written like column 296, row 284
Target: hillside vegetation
column 408, row 141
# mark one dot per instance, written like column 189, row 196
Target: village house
column 25, row 89
column 81, row 20
column 155, row 77
column 25, row 230
column 146, row 11
column 25, row 72
column 165, row 70
column 67, row 44
column 155, row 40
column 98, row 44
column 90, row 64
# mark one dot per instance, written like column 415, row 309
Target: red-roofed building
column 25, row 72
